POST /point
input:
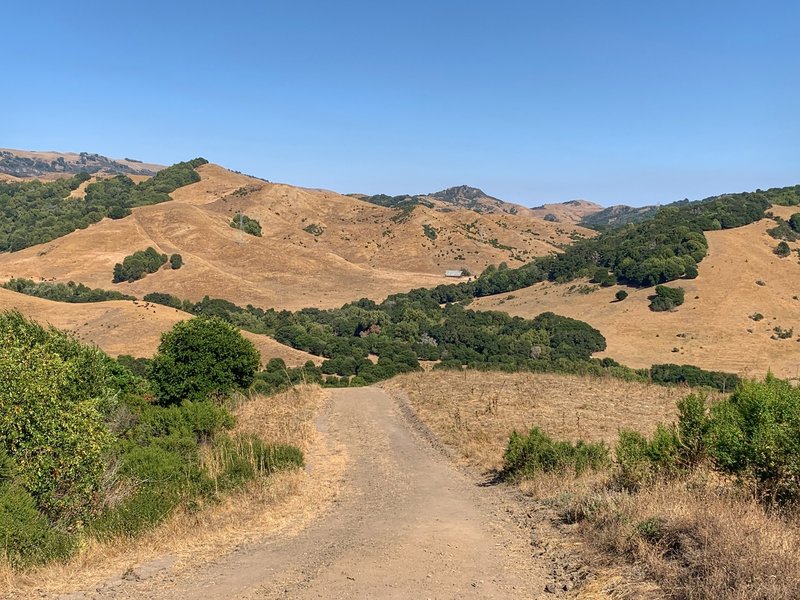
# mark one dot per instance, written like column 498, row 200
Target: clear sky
column 618, row 102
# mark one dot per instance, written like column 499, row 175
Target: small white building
column 458, row 273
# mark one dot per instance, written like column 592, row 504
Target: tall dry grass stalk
column 282, row 502
column 697, row 542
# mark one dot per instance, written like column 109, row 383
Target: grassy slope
column 124, row 327
column 362, row 252
column 715, row 318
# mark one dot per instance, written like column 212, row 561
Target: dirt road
column 407, row 524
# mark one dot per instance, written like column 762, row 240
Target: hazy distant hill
column 46, row 165
column 466, row 197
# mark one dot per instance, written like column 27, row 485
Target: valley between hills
column 217, row 386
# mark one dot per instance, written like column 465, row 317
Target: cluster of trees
column 33, row 212
column 246, row 224
column 664, row 248
column 666, row 298
column 77, row 428
column 137, row 265
column 370, row 342
column 63, row 292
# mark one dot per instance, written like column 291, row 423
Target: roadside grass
column 475, row 412
column 698, row 536
column 283, row 500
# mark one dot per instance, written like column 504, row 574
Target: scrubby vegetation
column 536, row 453
column 706, row 504
column 621, row 295
column 139, row 264
column 782, row 249
column 63, row 292
column 84, row 451
column 314, row 229
column 666, row 298
column 175, row 261
column 692, row 376
column 34, row 212
column 246, row 224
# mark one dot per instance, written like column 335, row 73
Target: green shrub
column 26, row 538
column 63, row 292
column 246, row 456
column 528, row 455
column 202, row 357
column 138, row 264
column 782, row 249
column 54, row 395
column 430, row 232
column 669, row 374
column 199, row 420
column 666, row 298
column 176, row 261
column 755, row 435
column 794, row 222
column 621, row 295
column 246, row 224
column 314, row 229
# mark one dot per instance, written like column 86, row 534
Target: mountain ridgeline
column 42, row 164
column 619, row 215
column 458, row 197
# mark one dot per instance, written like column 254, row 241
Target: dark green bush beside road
column 753, row 436
column 85, row 452
column 202, row 357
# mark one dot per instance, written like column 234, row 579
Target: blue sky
column 617, row 102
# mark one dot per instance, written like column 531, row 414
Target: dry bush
column 475, row 412
column 696, row 542
column 264, row 506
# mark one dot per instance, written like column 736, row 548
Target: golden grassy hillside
column 713, row 329
column 125, row 327
column 571, row 211
column 475, row 413
column 319, row 248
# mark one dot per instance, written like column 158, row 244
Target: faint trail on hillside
column 406, row 525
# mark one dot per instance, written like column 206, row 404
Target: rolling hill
column 318, row 248
column 740, row 277
column 125, row 327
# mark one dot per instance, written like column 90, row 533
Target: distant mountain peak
column 460, row 193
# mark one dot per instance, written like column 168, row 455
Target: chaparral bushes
column 85, row 452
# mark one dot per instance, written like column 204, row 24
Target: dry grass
column 695, row 540
column 712, row 330
column 125, row 327
column 361, row 253
column 283, row 502
column 701, row 538
column 475, row 412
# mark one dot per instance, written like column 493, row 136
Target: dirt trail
column 406, row 525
